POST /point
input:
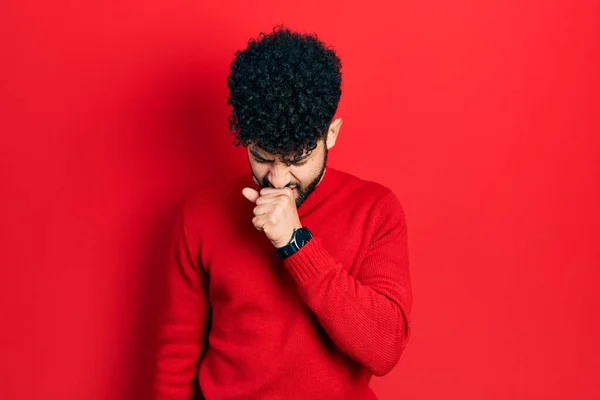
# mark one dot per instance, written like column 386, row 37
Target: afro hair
column 284, row 89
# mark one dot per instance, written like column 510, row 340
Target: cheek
column 259, row 169
column 304, row 175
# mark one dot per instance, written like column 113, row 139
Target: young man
column 291, row 282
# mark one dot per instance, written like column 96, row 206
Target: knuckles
column 276, row 208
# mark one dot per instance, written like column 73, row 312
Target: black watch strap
column 300, row 237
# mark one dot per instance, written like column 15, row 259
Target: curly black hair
column 284, row 89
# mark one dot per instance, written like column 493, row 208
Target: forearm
column 369, row 322
column 178, row 355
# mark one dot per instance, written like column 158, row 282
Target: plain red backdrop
column 482, row 116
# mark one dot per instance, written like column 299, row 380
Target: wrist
column 300, row 237
column 279, row 245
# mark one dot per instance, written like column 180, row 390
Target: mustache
column 268, row 185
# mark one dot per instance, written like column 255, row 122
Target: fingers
column 270, row 205
column 258, row 223
column 283, row 191
column 261, row 221
column 267, row 199
column 277, row 197
column 250, row 194
column 266, row 195
column 274, row 208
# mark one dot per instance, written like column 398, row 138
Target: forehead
column 263, row 153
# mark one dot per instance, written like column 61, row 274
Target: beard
column 303, row 191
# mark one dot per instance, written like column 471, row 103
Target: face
column 302, row 176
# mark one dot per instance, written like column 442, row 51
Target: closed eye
column 263, row 161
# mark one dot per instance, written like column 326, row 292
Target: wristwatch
column 300, row 237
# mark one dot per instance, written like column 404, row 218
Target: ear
column 333, row 132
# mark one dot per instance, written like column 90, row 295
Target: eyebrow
column 255, row 154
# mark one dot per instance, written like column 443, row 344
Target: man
column 291, row 282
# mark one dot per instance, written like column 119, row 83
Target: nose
column 279, row 175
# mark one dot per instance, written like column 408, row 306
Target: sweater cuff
column 308, row 262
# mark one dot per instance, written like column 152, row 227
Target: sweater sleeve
column 367, row 316
column 184, row 322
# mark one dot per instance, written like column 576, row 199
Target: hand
column 275, row 213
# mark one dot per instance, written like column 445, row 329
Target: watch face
column 300, row 238
column 303, row 235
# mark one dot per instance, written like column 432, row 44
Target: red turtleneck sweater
column 239, row 323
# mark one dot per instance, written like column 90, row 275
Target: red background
column 482, row 116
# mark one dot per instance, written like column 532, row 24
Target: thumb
column 250, row 194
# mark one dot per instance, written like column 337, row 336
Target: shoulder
column 364, row 189
column 378, row 201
